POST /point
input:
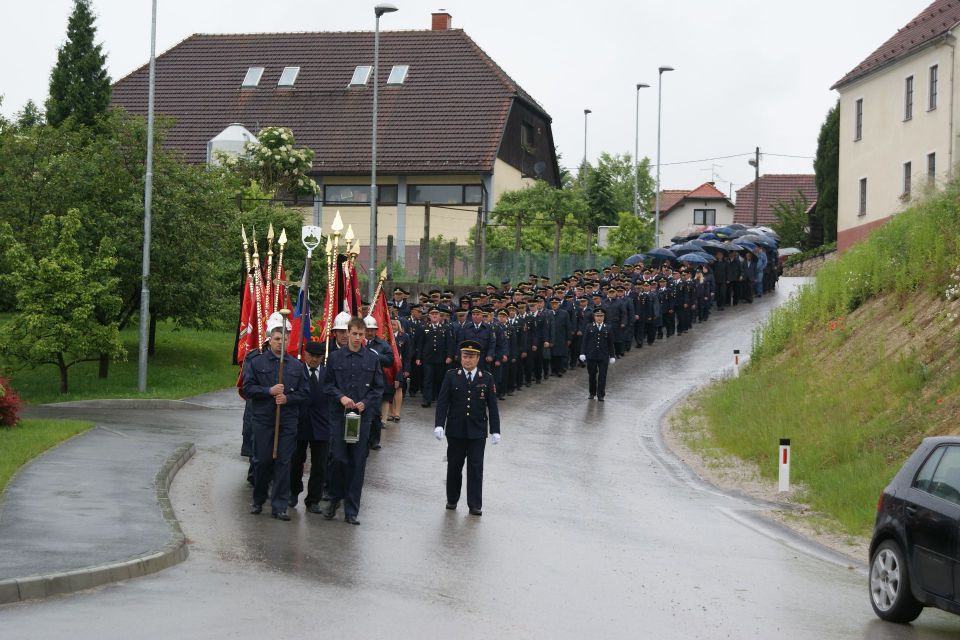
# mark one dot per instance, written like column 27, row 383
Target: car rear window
column 925, row 475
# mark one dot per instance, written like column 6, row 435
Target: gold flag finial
column 383, row 274
column 270, row 233
column 283, row 237
column 337, row 225
column 349, row 235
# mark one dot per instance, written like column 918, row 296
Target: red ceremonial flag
column 381, row 314
column 247, row 338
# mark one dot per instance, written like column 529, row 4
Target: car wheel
column 889, row 582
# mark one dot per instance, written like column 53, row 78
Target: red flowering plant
column 9, row 404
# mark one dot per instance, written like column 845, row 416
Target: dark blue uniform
column 313, row 432
column 260, row 373
column 358, row 376
column 468, row 410
column 598, row 348
column 435, row 345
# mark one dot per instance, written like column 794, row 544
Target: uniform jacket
column 436, row 344
column 260, row 373
column 468, row 410
column 597, row 342
column 315, row 411
column 562, row 332
column 482, row 333
column 357, row 375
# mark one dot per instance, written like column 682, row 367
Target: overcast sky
column 748, row 72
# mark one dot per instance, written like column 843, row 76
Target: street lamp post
column 147, row 203
column 636, row 153
column 378, row 11
column 586, row 112
column 656, row 223
column 755, row 163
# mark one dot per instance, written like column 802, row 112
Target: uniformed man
column 598, row 352
column 313, row 432
column 385, row 353
column 467, row 407
column 354, row 382
column 434, row 351
column 261, row 384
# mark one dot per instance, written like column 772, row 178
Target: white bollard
column 784, row 458
column 736, row 363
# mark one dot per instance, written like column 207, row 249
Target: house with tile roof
column 897, row 114
column 680, row 208
column 453, row 128
column 774, row 189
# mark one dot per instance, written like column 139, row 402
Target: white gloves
column 583, row 358
column 495, row 438
column 612, row 360
column 438, row 432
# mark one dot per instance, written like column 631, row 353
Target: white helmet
column 371, row 322
column 340, row 321
column 276, row 320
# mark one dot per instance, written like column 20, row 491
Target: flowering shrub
column 9, row 404
column 275, row 164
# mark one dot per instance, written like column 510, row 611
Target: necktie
column 470, row 377
column 313, row 375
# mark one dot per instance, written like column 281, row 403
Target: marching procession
column 332, row 386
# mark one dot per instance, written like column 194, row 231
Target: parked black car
column 915, row 550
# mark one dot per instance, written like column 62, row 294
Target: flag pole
column 258, row 289
column 276, row 294
column 283, row 351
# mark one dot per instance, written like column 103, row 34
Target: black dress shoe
column 331, row 509
column 589, row 397
column 351, row 520
column 282, row 516
column 256, row 509
column 292, row 502
column 452, row 506
column 315, row 508
column 475, row 512
column 376, row 447
column 600, row 399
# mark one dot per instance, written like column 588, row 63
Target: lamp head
column 752, row 162
column 586, row 111
column 662, row 69
column 381, row 9
column 642, row 85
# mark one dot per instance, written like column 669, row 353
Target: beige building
column 897, row 114
column 453, row 128
column 681, row 211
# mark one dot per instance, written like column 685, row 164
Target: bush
column 9, row 404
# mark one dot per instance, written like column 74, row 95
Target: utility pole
column 756, row 184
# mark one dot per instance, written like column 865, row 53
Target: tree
column 601, row 205
column 628, row 237
column 79, row 84
column 30, row 116
column 61, row 292
column 619, row 168
column 826, row 166
column 792, row 222
column 273, row 163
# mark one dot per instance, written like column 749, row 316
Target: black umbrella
column 635, row 258
column 687, row 247
column 660, row 252
column 729, row 246
column 739, row 233
column 694, row 258
column 714, row 245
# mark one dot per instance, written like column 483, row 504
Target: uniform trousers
column 319, row 451
column 433, row 379
column 348, row 465
column 469, row 450
column 574, row 351
column 266, row 469
column 536, row 358
column 597, row 370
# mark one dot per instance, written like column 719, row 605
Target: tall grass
column 916, row 250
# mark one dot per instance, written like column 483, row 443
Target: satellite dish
column 539, row 168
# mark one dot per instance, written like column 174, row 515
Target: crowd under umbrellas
column 702, row 246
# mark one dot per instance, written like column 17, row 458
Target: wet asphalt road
column 590, row 530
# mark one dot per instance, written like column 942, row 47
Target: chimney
column 441, row 20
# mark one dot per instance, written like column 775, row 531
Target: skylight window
column 288, row 77
column 252, row 78
column 398, row 74
column 360, row 75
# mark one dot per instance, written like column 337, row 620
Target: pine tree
column 826, row 166
column 79, row 84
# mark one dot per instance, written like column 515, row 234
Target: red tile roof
column 673, row 198
column 774, row 188
column 938, row 18
column 448, row 116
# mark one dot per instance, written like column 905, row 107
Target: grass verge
column 187, row 362
column 30, row 438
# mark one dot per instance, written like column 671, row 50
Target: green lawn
column 29, row 439
column 187, row 362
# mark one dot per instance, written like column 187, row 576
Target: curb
column 122, row 403
column 174, row 552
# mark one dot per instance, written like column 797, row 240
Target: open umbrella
column 789, row 251
column 687, row 247
column 713, row 245
column 739, row 233
column 635, row 258
column 661, row 253
column 708, row 236
column 729, row 246
column 723, row 232
column 694, row 258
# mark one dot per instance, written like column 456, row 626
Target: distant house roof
column 774, row 188
column 448, row 115
column 671, row 199
column 934, row 21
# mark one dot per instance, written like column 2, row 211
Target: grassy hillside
column 857, row 369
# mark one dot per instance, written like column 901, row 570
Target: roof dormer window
column 360, row 75
column 398, row 74
column 253, row 76
column 288, row 77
